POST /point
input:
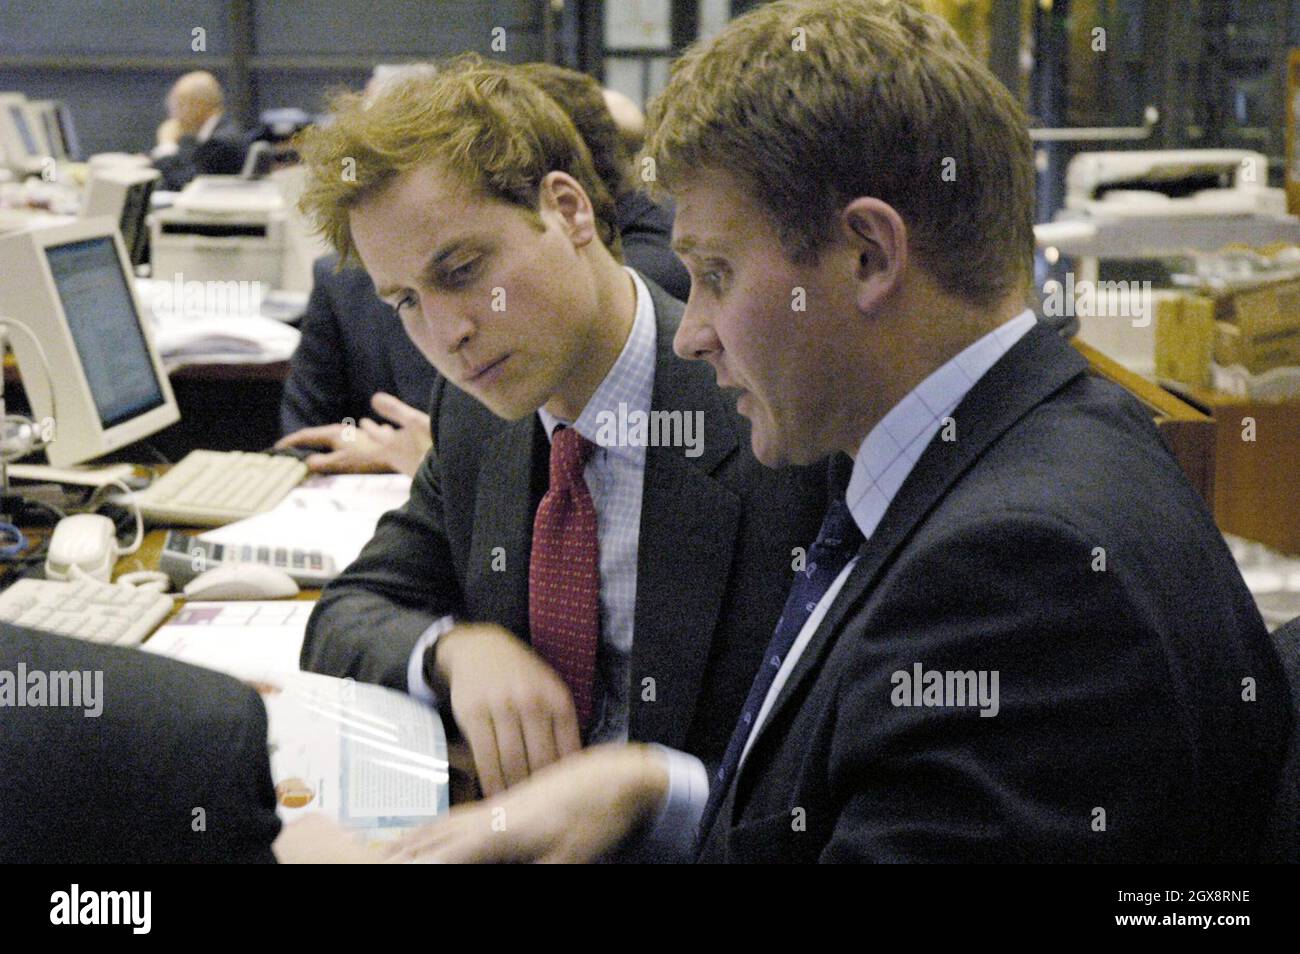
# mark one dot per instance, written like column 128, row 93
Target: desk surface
column 463, row 784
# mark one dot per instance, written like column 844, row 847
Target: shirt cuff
column 676, row 828
column 416, row 686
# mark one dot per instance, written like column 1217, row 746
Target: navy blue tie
column 836, row 543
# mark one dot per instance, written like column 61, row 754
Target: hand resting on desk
column 368, row 447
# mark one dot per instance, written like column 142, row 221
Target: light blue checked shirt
column 615, row 476
column 885, row 458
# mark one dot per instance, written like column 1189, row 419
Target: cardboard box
column 1185, row 335
column 1259, row 328
column 1257, row 468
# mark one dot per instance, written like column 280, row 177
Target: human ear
column 878, row 236
column 562, row 196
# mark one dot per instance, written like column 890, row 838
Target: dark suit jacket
column 714, row 560
column 352, row 346
column 221, row 154
column 1120, row 689
column 646, row 230
column 124, row 786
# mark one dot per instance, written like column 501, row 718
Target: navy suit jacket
column 646, row 229
column 1143, row 715
column 125, row 786
column 221, row 154
column 352, row 346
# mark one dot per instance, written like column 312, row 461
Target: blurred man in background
column 197, row 138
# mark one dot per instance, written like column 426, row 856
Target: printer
column 1171, row 182
column 1165, row 202
column 221, row 228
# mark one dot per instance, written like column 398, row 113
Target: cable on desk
column 20, row 553
column 17, row 542
column 162, row 458
column 49, row 381
column 139, row 518
column 151, row 580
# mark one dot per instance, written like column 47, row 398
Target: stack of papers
column 372, row 759
column 238, row 326
column 251, row 640
column 234, row 339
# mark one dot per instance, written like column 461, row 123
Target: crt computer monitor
column 72, row 286
column 21, row 135
column 125, row 194
column 60, row 134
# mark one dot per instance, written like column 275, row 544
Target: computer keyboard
column 85, row 609
column 184, row 557
column 212, row 488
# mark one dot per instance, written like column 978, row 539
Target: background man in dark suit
column 491, row 236
column 173, row 768
column 354, row 360
column 197, row 138
column 1019, row 635
column 644, row 225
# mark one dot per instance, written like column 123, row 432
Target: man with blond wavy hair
column 1019, row 636
column 553, row 580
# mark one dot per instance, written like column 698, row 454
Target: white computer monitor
column 21, row 135
column 123, row 193
column 72, row 286
column 60, row 134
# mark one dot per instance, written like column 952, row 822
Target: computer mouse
column 298, row 453
column 241, row 581
column 85, row 540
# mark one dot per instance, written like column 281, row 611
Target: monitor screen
column 19, row 115
column 135, row 211
column 105, row 329
column 67, row 132
column 53, row 134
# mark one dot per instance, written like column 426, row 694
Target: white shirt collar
column 630, row 381
column 891, row 449
column 209, row 127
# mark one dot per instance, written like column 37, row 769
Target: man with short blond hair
column 1019, row 635
column 557, row 577
column 346, row 364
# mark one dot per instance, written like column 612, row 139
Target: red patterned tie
column 564, row 575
